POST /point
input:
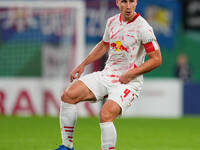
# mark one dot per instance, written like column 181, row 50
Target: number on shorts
column 126, row 92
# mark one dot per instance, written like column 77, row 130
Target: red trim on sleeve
column 107, row 43
column 149, row 47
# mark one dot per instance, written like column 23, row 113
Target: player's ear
column 117, row 3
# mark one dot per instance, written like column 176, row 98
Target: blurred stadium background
column 41, row 42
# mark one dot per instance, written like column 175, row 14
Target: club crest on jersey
column 118, row 46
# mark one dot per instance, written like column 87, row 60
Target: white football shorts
column 123, row 94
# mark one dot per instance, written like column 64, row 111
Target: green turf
column 42, row 133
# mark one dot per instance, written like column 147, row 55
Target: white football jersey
column 129, row 42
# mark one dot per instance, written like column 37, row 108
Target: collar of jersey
column 137, row 15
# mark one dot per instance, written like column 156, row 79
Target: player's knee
column 106, row 116
column 68, row 97
column 109, row 112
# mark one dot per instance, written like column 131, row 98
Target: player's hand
column 124, row 78
column 76, row 73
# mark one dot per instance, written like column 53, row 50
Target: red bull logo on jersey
column 118, row 46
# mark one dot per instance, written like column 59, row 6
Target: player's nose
column 128, row 5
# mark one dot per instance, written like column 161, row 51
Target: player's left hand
column 124, row 78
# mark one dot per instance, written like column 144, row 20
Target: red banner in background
column 37, row 97
column 42, row 97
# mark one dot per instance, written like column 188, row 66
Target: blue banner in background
column 191, row 98
column 163, row 16
column 98, row 11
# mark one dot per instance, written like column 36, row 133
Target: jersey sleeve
column 149, row 40
column 106, row 38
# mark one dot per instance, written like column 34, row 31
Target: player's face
column 127, row 8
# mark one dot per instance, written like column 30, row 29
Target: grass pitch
column 43, row 133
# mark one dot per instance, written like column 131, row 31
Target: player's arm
column 153, row 62
column 98, row 51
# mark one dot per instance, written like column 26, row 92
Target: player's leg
column 108, row 113
column 120, row 98
column 88, row 87
column 77, row 92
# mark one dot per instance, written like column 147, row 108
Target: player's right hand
column 76, row 73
